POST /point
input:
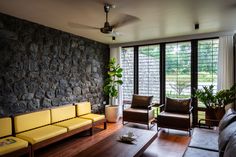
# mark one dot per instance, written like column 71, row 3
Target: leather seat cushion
column 41, row 134
column 140, row 101
column 205, row 139
column 225, row 136
column 195, row 152
column 93, row 117
column 177, row 105
column 13, row 145
column 174, row 115
column 230, row 149
column 173, row 120
column 138, row 110
column 138, row 115
column 74, row 123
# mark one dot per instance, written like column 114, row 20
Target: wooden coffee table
column 111, row 147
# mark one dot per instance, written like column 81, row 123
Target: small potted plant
column 111, row 89
column 215, row 103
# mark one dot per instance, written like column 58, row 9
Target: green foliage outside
column 178, row 64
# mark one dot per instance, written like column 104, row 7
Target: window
column 127, row 63
column 149, row 71
column 142, row 70
column 207, row 66
column 178, row 70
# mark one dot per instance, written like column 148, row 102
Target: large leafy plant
column 114, row 79
column 220, row 99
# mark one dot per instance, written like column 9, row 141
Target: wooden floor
column 167, row 144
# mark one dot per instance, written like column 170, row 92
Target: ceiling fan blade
column 125, row 20
column 77, row 25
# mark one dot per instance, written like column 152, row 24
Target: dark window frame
column 194, row 70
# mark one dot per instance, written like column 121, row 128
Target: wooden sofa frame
column 102, row 121
column 59, row 138
column 18, row 152
column 47, row 142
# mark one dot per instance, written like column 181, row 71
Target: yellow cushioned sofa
column 9, row 145
column 66, row 117
column 84, row 111
column 45, row 127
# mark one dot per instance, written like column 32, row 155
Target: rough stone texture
column 41, row 67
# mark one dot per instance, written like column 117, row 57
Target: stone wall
column 41, row 67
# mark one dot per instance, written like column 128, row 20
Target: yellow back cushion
column 62, row 113
column 83, row 108
column 5, row 127
column 31, row 120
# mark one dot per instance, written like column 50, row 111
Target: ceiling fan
column 109, row 28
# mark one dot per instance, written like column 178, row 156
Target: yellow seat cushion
column 83, row 108
column 41, row 134
column 31, row 120
column 93, row 117
column 74, row 123
column 11, row 144
column 5, row 127
column 62, row 113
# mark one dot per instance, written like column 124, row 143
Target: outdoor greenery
column 113, row 80
column 178, row 65
column 177, row 68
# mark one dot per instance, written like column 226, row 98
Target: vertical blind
column 149, row 71
column 178, row 70
column 207, row 63
column 127, row 63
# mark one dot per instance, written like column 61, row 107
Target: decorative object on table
column 128, row 138
column 111, row 89
column 215, row 102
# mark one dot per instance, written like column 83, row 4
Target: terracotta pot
column 214, row 114
column 219, row 113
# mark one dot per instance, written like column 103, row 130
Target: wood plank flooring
column 167, row 144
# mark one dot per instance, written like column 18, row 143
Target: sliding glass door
column 127, row 63
column 207, row 67
column 149, row 71
column 178, row 70
column 166, row 69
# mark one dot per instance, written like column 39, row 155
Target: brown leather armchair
column 177, row 114
column 141, row 110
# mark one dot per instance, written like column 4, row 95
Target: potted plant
column 215, row 103
column 111, row 89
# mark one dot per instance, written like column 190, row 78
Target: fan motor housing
column 106, row 30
